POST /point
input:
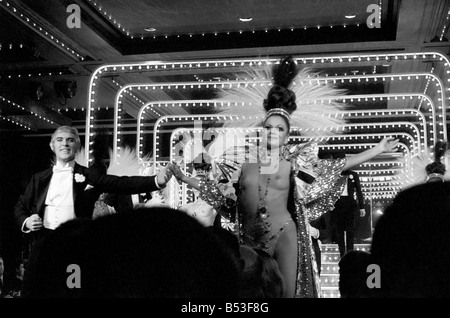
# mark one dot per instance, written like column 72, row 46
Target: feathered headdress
column 425, row 166
column 298, row 95
column 126, row 163
column 80, row 157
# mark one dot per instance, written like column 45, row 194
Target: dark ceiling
column 39, row 49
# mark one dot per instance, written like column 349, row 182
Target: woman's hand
column 388, row 144
column 176, row 171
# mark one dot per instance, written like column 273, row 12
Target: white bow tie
column 62, row 169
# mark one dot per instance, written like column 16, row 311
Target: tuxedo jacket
column 88, row 184
column 354, row 187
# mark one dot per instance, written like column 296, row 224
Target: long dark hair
column 280, row 95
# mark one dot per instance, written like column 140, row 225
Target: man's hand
column 34, row 222
column 163, row 176
column 314, row 232
column 362, row 212
column 176, row 171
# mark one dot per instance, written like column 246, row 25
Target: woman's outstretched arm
column 179, row 175
column 386, row 145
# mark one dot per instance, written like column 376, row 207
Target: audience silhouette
column 410, row 243
column 353, row 275
column 151, row 253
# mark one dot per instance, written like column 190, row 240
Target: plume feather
column 318, row 111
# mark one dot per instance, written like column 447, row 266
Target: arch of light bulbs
column 359, row 147
column 223, row 84
column 176, row 65
column 192, row 118
column 439, row 129
column 119, row 95
column 349, row 114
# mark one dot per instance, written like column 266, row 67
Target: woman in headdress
column 436, row 170
column 298, row 187
column 429, row 166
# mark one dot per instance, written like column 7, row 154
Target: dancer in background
column 436, row 170
column 428, row 166
column 343, row 214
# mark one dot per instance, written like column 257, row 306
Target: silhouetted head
column 353, row 275
column 410, row 243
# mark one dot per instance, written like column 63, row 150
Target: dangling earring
column 283, row 149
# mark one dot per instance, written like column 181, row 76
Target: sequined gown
column 315, row 186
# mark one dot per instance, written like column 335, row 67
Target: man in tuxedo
column 320, row 231
column 342, row 216
column 69, row 190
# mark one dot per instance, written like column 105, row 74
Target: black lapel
column 42, row 190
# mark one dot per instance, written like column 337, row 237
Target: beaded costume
column 309, row 200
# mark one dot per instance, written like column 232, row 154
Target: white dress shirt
column 59, row 201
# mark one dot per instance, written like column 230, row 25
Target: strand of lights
column 381, row 189
column 389, row 183
column 201, row 64
column 447, row 18
column 381, row 163
column 426, row 86
column 192, row 118
column 374, row 184
column 380, row 6
column 41, row 30
column 31, row 75
column 403, row 147
column 110, row 17
column 15, row 122
column 74, row 109
column 11, row 46
column 253, row 31
column 415, row 145
column 350, row 114
column 140, row 101
column 184, row 85
column 25, row 109
column 380, row 172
